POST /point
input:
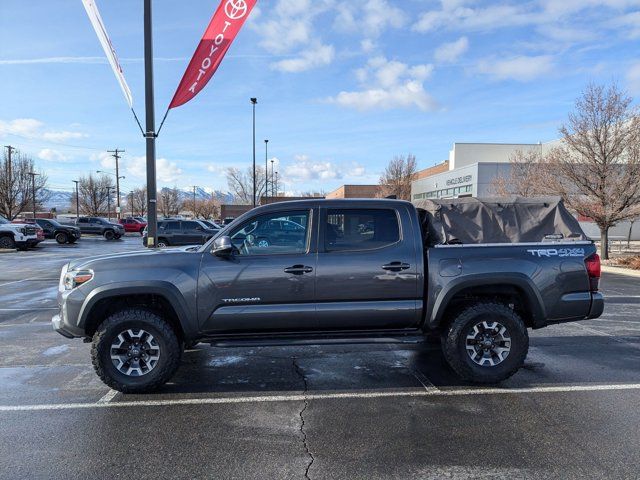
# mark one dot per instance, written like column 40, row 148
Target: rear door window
column 360, row 229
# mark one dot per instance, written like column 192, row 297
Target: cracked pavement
column 320, row 412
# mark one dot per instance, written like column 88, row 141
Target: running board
column 314, row 339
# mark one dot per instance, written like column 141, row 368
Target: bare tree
column 138, row 199
column 528, row 176
column 241, row 184
column 94, row 192
column 397, row 177
column 207, row 208
column 169, row 203
column 597, row 168
column 16, row 185
column 314, row 194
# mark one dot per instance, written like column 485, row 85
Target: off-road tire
column 62, row 238
column 136, row 318
column 109, row 234
column 6, row 241
column 454, row 343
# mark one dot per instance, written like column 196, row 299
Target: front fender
column 148, row 287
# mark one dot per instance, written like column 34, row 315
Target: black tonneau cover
column 497, row 220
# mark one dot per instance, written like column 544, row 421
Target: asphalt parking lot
column 367, row 411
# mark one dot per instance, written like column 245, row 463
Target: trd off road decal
column 557, row 252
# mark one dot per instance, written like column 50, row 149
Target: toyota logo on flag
column 235, row 9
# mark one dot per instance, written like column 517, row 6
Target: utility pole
column 266, row 175
column 150, row 135
column 77, row 200
column 108, row 189
column 117, row 157
column 194, row 201
column 10, row 150
column 33, row 191
column 253, row 102
column 131, row 204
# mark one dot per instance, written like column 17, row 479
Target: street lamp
column 266, row 170
column 253, row 103
column 108, row 189
column 276, row 184
column 77, row 200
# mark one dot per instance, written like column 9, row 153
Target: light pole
column 253, row 103
column 33, row 191
column 150, row 133
column 272, row 194
column 276, row 185
column 108, row 189
column 77, row 200
column 266, row 170
column 131, row 193
column 116, row 156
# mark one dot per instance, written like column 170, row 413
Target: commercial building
column 355, row 191
column 470, row 170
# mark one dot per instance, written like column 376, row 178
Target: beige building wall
column 355, row 191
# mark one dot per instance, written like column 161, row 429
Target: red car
column 132, row 225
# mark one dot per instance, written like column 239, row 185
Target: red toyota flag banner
column 223, row 28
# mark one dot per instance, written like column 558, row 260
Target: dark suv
column 181, row 232
column 100, row 226
column 55, row 230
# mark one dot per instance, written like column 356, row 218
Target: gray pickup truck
column 333, row 270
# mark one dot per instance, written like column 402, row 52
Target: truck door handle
column 298, row 269
column 396, row 266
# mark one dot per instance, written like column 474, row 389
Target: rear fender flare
column 534, row 302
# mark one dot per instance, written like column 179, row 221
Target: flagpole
column 150, row 135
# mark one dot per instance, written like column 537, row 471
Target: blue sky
column 342, row 86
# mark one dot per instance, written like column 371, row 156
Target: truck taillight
column 593, row 270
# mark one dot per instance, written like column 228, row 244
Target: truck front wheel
column 486, row 343
column 135, row 351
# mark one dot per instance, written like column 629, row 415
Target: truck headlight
column 74, row 279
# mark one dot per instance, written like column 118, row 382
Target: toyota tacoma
column 341, row 270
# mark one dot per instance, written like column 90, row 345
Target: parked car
column 55, row 230
column 133, row 225
column 17, row 235
column 100, row 226
column 181, row 232
column 336, row 282
column 211, row 224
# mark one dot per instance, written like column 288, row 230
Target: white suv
column 17, row 235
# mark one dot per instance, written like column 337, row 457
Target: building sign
column 459, row 180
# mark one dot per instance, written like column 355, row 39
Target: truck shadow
column 566, row 360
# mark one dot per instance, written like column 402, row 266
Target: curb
column 8, row 250
column 620, row 271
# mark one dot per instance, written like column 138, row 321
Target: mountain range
column 61, row 200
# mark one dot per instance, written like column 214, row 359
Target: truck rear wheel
column 135, row 351
column 486, row 343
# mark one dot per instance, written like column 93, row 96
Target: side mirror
column 222, row 246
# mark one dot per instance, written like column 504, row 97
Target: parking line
column 27, row 309
column 110, row 395
column 325, row 396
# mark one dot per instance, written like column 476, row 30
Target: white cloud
column 314, row 56
column 304, row 169
column 633, row 79
column 370, row 17
column 450, row 52
column 166, row 171
column 522, row 68
column 387, row 84
column 51, row 155
column 32, row 128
